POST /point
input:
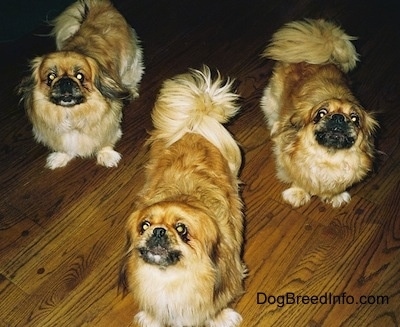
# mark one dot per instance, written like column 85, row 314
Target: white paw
column 226, row 318
column 57, row 160
column 145, row 320
column 337, row 200
column 296, row 196
column 108, row 157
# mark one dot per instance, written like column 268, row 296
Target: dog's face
column 175, row 264
column 68, row 78
column 169, row 233
column 337, row 124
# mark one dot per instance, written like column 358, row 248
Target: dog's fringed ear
column 289, row 126
column 219, row 283
column 296, row 121
column 25, row 87
column 27, row 84
column 122, row 276
column 111, row 89
column 370, row 124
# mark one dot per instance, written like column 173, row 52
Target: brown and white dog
column 74, row 96
column 183, row 258
column 323, row 137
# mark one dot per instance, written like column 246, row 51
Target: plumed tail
column 195, row 103
column 313, row 41
column 71, row 19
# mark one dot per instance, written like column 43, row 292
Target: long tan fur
column 114, row 45
column 191, row 181
column 315, row 41
column 307, row 91
column 96, row 70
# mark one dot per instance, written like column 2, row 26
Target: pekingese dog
column 183, row 258
column 323, row 138
column 74, row 96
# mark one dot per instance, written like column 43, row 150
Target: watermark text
column 290, row 298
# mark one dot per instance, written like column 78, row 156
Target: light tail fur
column 315, row 42
column 196, row 103
column 68, row 23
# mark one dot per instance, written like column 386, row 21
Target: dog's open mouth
column 66, row 93
column 336, row 132
column 159, row 255
column 334, row 139
column 158, row 250
column 68, row 101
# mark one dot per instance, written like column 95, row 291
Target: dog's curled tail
column 194, row 102
column 315, row 41
column 71, row 19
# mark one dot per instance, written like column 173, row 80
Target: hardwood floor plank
column 310, row 260
column 19, row 236
column 9, row 294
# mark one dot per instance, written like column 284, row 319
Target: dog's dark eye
column 80, row 77
column 50, row 78
column 320, row 113
column 182, row 231
column 145, row 225
column 355, row 119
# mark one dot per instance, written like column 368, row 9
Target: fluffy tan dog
column 323, row 138
column 183, row 259
column 74, row 97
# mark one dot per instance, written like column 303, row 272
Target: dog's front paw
column 57, row 160
column 145, row 320
column 226, row 318
column 339, row 199
column 296, row 196
column 108, row 157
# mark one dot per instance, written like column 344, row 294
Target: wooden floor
column 62, row 232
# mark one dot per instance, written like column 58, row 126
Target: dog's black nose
column 339, row 118
column 66, row 85
column 159, row 232
column 66, row 92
